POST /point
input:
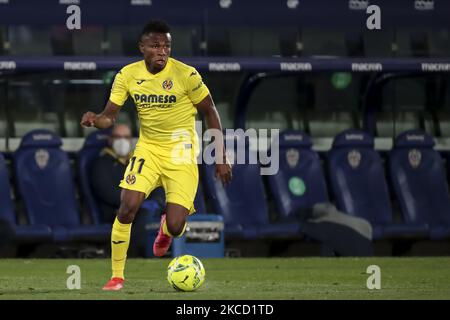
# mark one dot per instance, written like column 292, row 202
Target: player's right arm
column 102, row 120
column 119, row 94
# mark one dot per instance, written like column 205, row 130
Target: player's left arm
column 209, row 111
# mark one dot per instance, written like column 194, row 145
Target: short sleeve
column 119, row 90
column 197, row 90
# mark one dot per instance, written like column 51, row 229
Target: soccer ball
column 185, row 273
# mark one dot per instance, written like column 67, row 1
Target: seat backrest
column 379, row 43
column 92, row 147
column 418, row 179
column 186, row 40
column 88, row 41
column 44, row 180
column 412, row 42
column 357, row 178
column 218, row 40
column 243, row 200
column 2, row 39
column 29, row 40
column 6, row 207
column 439, row 41
column 300, row 182
column 323, row 42
column 61, row 40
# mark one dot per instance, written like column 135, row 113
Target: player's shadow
column 169, row 291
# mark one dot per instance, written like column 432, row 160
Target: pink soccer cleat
column 115, row 284
column 162, row 241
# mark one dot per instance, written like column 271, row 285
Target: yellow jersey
column 164, row 102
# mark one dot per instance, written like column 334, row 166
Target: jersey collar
column 162, row 73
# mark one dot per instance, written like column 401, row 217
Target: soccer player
column 167, row 94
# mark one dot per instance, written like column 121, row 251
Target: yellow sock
column 166, row 230
column 120, row 240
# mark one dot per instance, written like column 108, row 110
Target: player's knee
column 127, row 211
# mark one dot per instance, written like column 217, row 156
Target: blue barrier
column 13, row 64
column 204, row 237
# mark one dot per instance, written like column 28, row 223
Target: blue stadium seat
column 93, row 144
column 44, row 182
column 300, row 182
column 6, row 209
column 23, row 233
column 242, row 203
column 359, row 185
column 419, row 182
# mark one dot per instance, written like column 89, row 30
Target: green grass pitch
column 245, row 278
